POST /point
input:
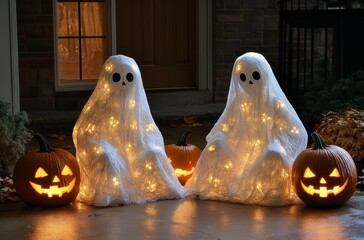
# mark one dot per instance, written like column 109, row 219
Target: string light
column 116, row 182
column 128, row 147
column 149, row 166
column 228, row 165
column 106, row 87
column 224, row 127
column 134, row 125
column 132, row 103
column 295, row 130
column 150, row 128
column 113, row 122
column 211, row 148
column 152, row 186
column 109, row 67
column 90, row 128
column 244, row 107
column 265, row 118
column 280, row 104
column 98, row 149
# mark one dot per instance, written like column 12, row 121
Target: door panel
column 161, row 36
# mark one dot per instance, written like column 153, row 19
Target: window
column 82, row 42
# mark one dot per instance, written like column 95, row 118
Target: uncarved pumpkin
column 47, row 177
column 183, row 157
column 324, row 175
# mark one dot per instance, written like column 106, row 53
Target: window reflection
column 81, row 39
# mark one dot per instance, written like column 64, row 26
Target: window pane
column 92, row 19
column 69, row 64
column 93, row 56
column 67, row 19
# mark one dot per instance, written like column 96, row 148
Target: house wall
column 242, row 26
column 239, row 26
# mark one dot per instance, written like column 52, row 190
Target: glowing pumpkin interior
column 323, row 190
column 55, row 188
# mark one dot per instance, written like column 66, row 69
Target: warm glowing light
column 295, row 130
column 67, row 171
column 106, row 87
column 134, row 125
column 228, row 165
column 335, row 173
column 90, row 128
column 150, row 128
column 280, row 104
column 216, row 182
column 308, row 173
column 116, row 182
column 149, row 166
column 224, row 127
column 98, row 149
column 53, row 190
column 323, row 191
column 40, row 173
column 257, row 143
column 265, row 118
column 131, row 103
column 113, row 121
column 238, row 68
column 180, row 172
column 211, row 148
column 109, row 67
column 152, row 186
column 129, row 147
column 244, row 107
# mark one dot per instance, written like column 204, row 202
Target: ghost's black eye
column 242, row 77
column 256, row 75
column 116, row 77
column 129, row 77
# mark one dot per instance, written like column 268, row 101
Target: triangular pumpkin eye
column 67, row 171
column 308, row 173
column 335, row 173
column 40, row 173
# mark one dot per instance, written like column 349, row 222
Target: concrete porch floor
column 188, row 218
column 182, row 219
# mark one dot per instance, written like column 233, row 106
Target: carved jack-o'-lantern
column 183, row 157
column 324, row 175
column 47, row 177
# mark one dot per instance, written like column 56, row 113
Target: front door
column 161, row 36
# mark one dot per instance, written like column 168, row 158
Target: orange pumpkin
column 183, row 157
column 47, row 177
column 324, row 175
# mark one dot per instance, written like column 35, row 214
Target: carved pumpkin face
column 183, row 157
column 49, row 177
column 324, row 175
column 52, row 185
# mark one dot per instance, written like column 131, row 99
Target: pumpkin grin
column 323, row 191
column 53, row 190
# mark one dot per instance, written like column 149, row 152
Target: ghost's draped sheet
column 251, row 149
column 119, row 147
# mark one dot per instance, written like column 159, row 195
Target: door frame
column 12, row 67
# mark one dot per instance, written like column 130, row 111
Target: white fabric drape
column 251, row 148
column 119, row 147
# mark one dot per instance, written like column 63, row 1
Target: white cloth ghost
column 119, row 147
column 252, row 147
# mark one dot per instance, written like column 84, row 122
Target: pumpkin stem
column 318, row 141
column 183, row 137
column 43, row 143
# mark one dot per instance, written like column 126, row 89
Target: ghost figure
column 119, row 147
column 251, row 148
